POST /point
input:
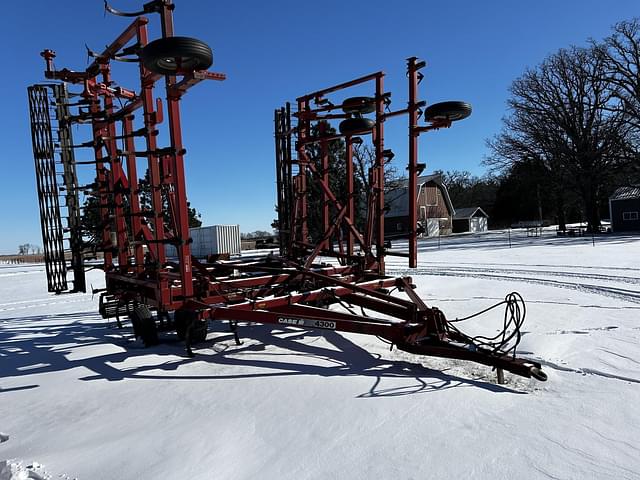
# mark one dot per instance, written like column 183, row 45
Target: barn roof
column 397, row 196
column 468, row 212
column 404, row 182
column 626, row 193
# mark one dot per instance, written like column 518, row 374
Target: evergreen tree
column 93, row 225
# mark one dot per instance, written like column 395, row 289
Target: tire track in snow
column 630, row 446
column 586, row 371
column 27, row 305
column 551, row 273
column 619, row 355
column 607, row 291
column 554, row 273
column 581, row 267
column 578, row 456
column 6, row 304
column 21, row 272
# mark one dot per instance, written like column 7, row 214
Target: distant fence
column 508, row 238
column 17, row 259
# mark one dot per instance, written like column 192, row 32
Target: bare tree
column 364, row 156
column 255, row 234
column 621, row 53
column 467, row 190
column 561, row 118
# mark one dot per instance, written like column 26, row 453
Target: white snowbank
column 15, row 470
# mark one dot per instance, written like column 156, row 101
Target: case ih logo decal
column 301, row 322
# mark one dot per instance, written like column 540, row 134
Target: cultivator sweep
column 340, row 263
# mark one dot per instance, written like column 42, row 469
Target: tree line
column 570, row 137
column 25, row 248
column 509, row 197
column 571, row 134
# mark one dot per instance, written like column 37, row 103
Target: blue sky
column 275, row 51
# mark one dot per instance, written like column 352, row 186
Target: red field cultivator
column 343, row 264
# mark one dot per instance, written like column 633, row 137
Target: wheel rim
column 175, row 63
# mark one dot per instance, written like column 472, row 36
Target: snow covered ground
column 81, row 398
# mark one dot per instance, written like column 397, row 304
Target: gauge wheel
column 359, row 105
column 451, row 111
column 144, row 325
column 353, row 126
column 199, row 330
column 176, row 55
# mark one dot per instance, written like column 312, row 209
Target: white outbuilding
column 472, row 219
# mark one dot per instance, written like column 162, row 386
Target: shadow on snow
column 28, row 349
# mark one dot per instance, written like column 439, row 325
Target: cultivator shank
column 130, row 128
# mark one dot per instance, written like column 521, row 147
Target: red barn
column 435, row 209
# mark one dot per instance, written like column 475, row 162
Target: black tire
column 359, row 105
column 452, row 111
column 102, row 308
column 175, row 55
column 144, row 325
column 353, row 126
column 180, row 322
column 182, row 319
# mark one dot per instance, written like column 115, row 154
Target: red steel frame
column 371, row 242
column 286, row 290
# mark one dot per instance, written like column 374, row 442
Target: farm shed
column 435, row 209
column 624, row 209
column 471, row 219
